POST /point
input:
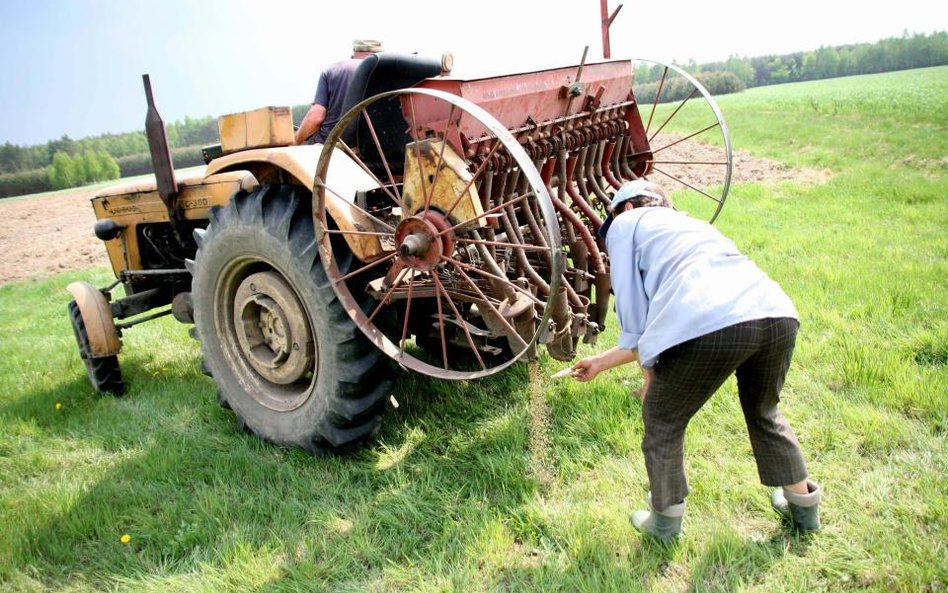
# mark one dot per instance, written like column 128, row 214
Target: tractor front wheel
column 104, row 372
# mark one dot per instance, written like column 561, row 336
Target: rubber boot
column 802, row 510
column 664, row 525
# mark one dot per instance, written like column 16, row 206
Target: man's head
column 363, row 47
column 639, row 193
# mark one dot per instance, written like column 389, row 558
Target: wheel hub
column 272, row 328
column 422, row 239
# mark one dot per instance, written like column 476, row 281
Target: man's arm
column 311, row 123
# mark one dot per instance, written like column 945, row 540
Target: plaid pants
column 688, row 374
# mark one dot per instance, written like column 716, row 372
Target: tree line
column 66, row 162
column 895, row 53
column 37, row 168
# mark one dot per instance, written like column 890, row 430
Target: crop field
column 519, row 482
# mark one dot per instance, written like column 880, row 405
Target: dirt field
column 51, row 233
column 48, row 234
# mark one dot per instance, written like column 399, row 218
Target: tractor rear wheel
column 285, row 355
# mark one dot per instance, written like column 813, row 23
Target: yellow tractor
column 446, row 227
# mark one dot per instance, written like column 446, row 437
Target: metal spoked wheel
column 457, row 234
column 689, row 146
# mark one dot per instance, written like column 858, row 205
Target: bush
column 140, row 164
column 26, row 182
column 86, row 167
column 678, row 88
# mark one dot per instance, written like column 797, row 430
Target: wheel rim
column 265, row 330
column 689, row 146
column 465, row 256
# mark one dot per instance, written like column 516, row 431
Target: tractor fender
column 272, row 165
column 97, row 317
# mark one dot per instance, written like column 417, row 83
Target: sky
column 74, row 66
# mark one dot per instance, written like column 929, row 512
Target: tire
column 286, row 357
column 104, row 373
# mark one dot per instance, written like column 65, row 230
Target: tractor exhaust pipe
column 160, row 154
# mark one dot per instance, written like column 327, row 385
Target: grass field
column 516, row 484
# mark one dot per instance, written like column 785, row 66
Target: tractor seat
column 376, row 74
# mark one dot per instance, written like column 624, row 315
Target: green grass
column 506, row 485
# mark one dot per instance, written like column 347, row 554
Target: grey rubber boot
column 664, row 525
column 802, row 510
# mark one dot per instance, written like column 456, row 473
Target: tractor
column 446, row 227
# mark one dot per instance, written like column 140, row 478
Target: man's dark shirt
column 330, row 93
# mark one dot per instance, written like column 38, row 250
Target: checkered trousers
column 688, row 374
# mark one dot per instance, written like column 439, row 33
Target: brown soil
column 52, row 233
column 47, row 234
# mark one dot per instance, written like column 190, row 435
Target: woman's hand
column 586, row 369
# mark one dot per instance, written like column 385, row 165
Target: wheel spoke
column 672, row 114
column 467, row 334
column 480, row 169
column 385, row 298
column 444, row 143
column 375, row 219
column 378, row 262
column 357, row 233
column 444, row 341
column 487, row 213
column 388, row 169
column 688, row 185
column 689, row 162
column 497, row 314
column 417, row 149
column 358, row 160
column 688, row 137
column 411, row 285
column 658, row 93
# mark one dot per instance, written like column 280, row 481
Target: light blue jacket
column 676, row 278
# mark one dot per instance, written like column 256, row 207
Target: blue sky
column 74, row 66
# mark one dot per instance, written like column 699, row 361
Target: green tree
column 63, row 172
column 108, row 168
column 64, row 144
column 741, row 68
column 87, row 167
column 12, row 158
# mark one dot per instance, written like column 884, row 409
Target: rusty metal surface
column 541, row 97
column 454, row 191
column 160, row 152
column 459, row 249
